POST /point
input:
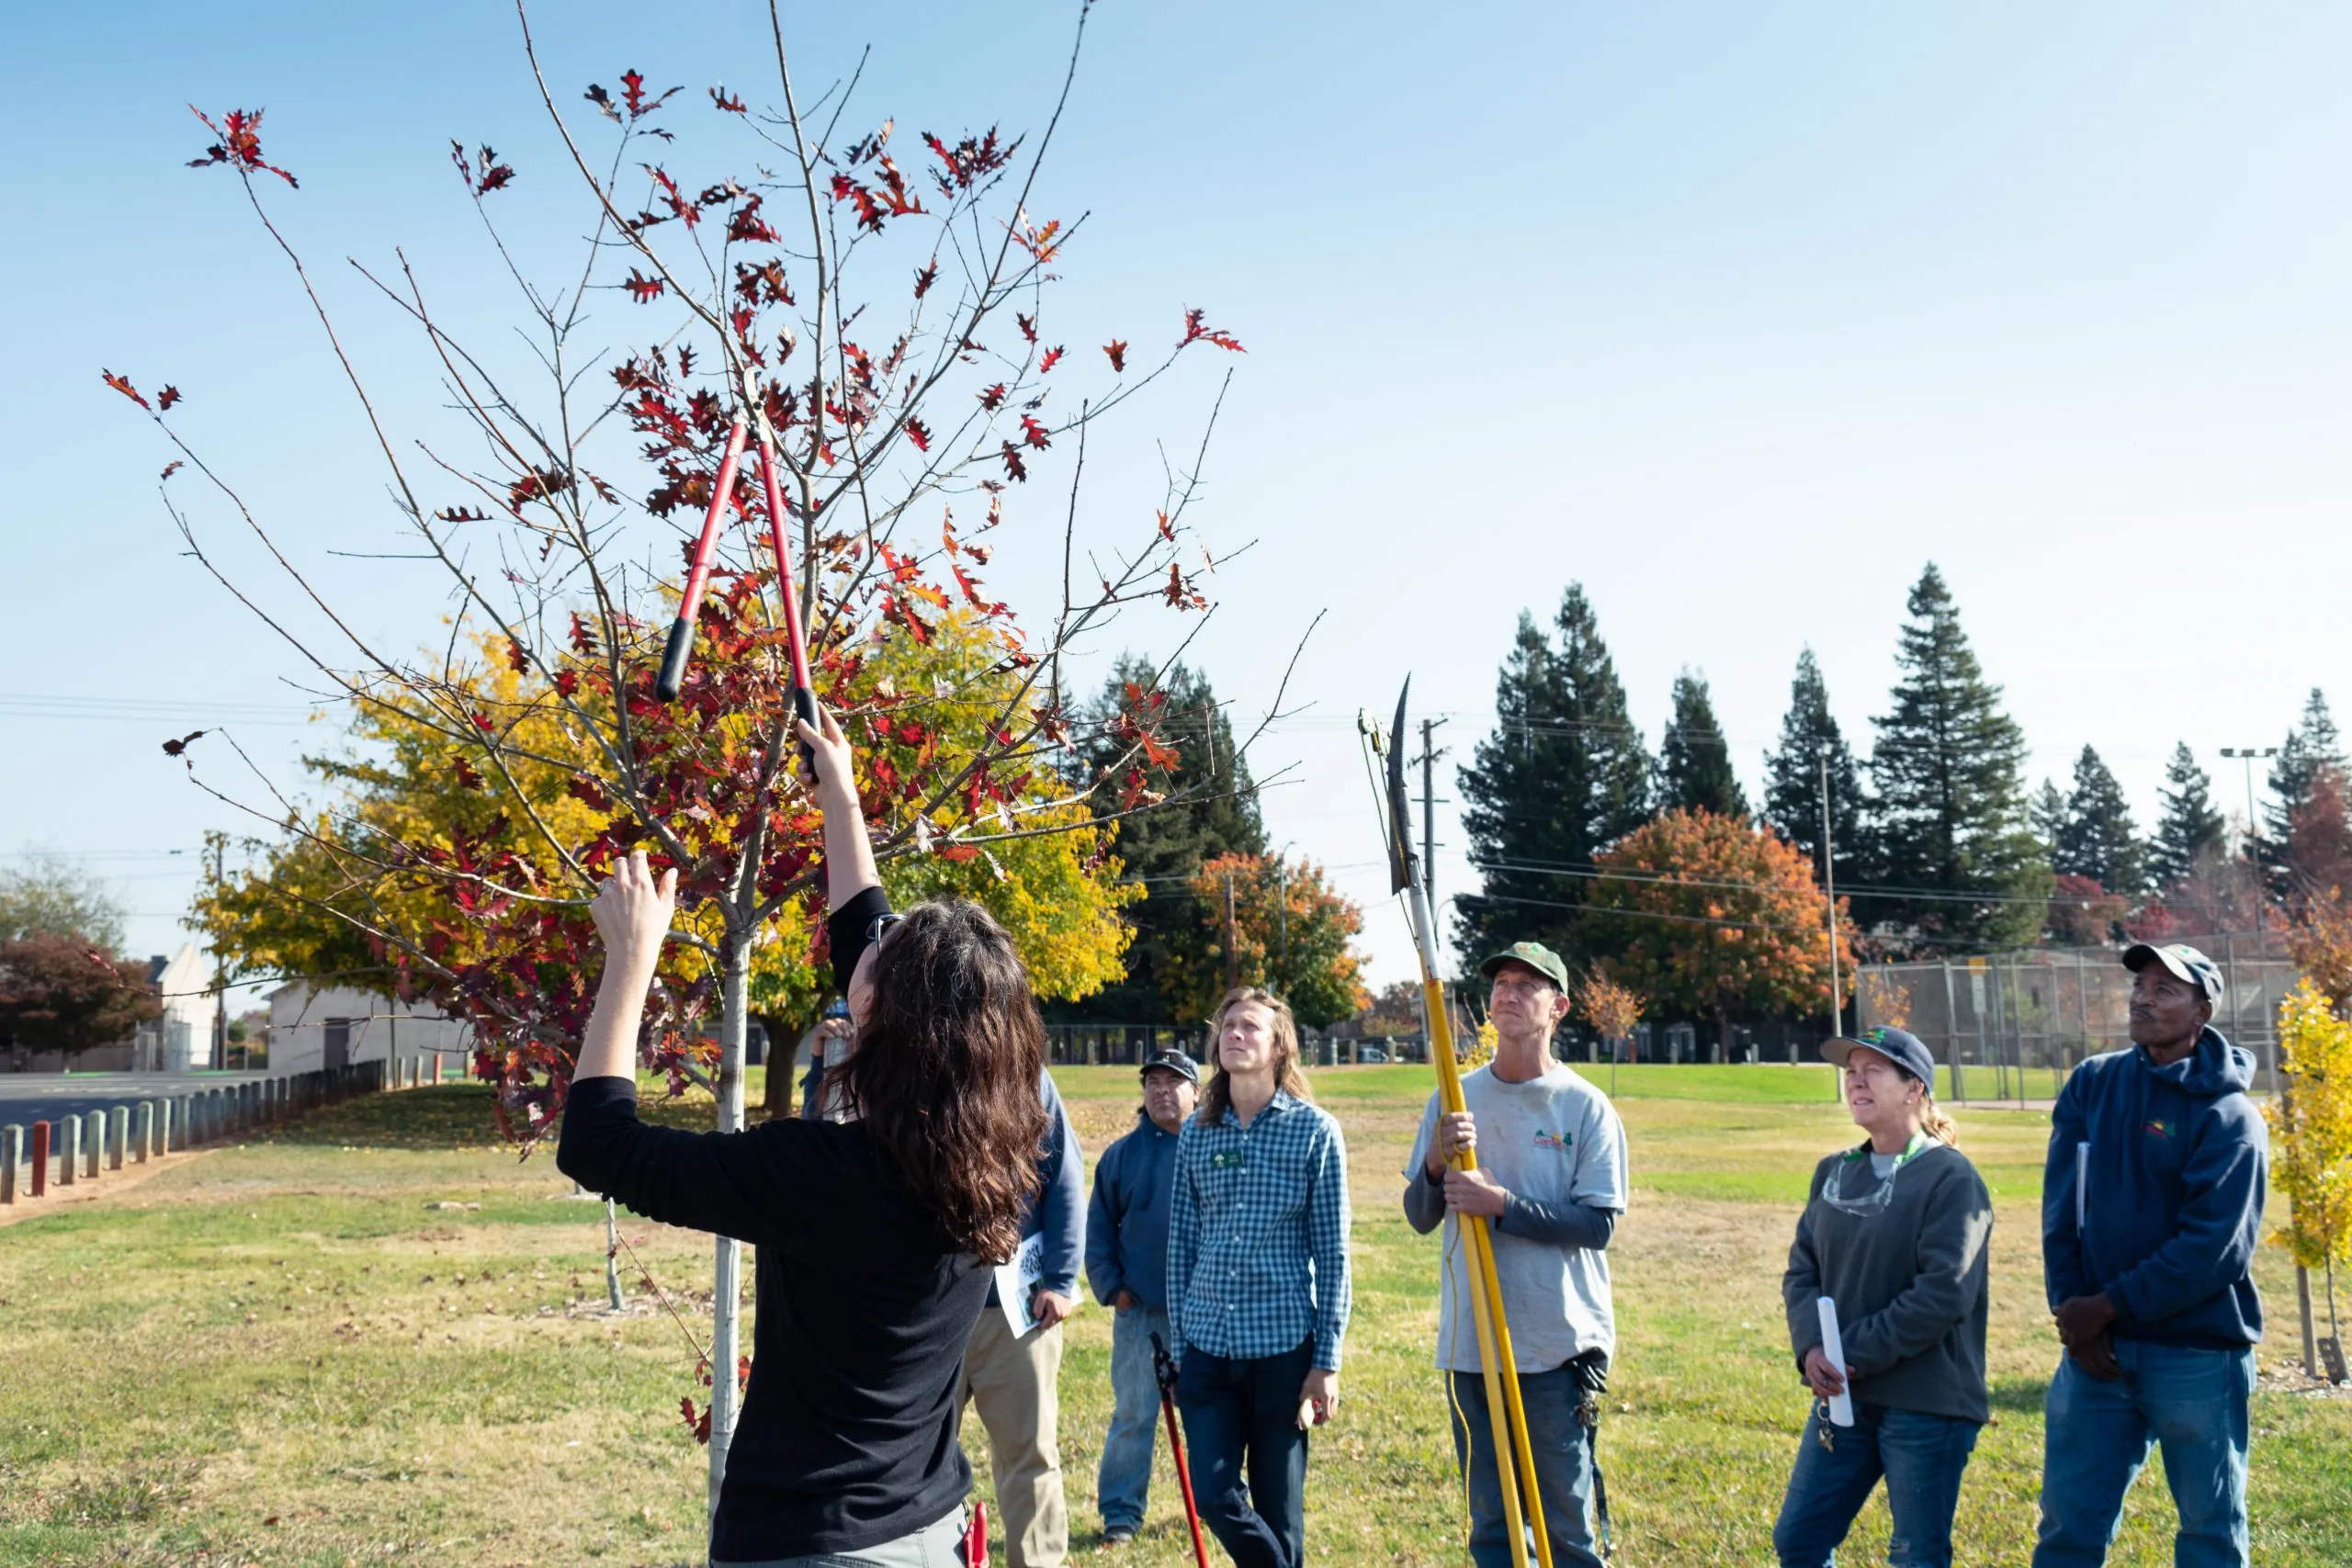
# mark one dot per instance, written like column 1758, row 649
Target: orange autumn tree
column 1713, row 916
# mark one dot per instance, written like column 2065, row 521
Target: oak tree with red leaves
column 887, row 323
column 1713, row 917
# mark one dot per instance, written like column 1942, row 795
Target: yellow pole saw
column 1504, row 1407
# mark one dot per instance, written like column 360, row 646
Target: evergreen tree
column 1212, row 810
column 2047, row 811
column 1792, row 776
column 2096, row 838
column 1563, row 777
column 2189, row 829
column 2311, row 744
column 1694, row 770
column 1949, row 766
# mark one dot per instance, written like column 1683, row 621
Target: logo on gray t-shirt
column 1556, row 1140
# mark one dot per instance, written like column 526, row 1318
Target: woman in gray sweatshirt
column 1895, row 1234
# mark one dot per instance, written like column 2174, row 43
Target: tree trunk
column 727, row 1282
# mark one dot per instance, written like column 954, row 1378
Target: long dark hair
column 1287, row 1075
column 945, row 1072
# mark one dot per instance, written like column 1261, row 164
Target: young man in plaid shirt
column 1257, row 1282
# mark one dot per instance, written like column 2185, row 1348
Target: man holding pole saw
column 1550, row 1180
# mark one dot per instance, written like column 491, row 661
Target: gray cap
column 2182, row 961
column 1173, row 1061
column 1897, row 1045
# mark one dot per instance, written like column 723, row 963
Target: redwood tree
column 891, row 326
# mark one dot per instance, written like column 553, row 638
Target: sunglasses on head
column 880, row 924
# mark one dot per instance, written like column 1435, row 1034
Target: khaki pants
column 1011, row 1381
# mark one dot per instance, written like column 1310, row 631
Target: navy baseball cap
column 2182, row 961
column 1172, row 1062
column 1897, row 1045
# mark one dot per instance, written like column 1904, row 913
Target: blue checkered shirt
column 1258, row 1233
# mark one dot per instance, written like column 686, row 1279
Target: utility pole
column 1232, row 947
column 1282, row 913
column 220, row 981
column 1829, row 890
column 1428, row 759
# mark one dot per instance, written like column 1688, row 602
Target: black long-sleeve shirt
column 847, row 1435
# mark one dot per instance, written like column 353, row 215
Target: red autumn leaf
column 603, row 100
column 990, row 400
column 240, row 145
column 167, row 398
column 1117, row 349
column 122, row 384
column 518, row 657
column 1174, row 593
column 731, row 105
column 1053, row 357
column 633, row 87
column 174, row 748
column 1166, row 529
column 1195, row 332
column 1014, row 466
column 465, row 773
column 1034, row 432
column 1028, row 325
column 926, row 278
column 174, row 467
column 643, row 288
column 483, row 722
column 920, row 435
column 566, row 682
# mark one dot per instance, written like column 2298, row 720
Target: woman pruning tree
column 1257, row 1282
column 874, row 1233
column 1894, row 1234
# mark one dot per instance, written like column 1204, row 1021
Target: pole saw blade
column 1400, row 812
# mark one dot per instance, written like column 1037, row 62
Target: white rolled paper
column 1841, row 1408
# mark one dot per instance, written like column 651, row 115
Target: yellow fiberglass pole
column 1498, row 1367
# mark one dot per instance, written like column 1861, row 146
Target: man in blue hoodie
column 1127, row 1262
column 1011, row 1377
column 2151, row 1209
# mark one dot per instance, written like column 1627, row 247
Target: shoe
column 1118, row 1535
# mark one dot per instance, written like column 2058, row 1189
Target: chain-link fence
column 2012, row 1025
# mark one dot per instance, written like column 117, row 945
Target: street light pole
column 1829, row 890
column 2246, row 754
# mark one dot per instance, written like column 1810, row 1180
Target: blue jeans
column 1237, row 1410
column 2097, row 1435
column 1563, row 1469
column 1920, row 1455
column 1124, row 1482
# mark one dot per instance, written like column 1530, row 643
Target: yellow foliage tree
column 2313, row 1121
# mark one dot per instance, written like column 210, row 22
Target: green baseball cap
column 1535, row 956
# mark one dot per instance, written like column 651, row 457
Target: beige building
column 333, row 1026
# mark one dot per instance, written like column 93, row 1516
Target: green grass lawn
column 377, row 1336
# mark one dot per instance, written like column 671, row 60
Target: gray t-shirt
column 1554, row 1139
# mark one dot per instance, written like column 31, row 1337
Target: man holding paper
column 1013, row 1361
column 1888, row 1270
column 2151, row 1209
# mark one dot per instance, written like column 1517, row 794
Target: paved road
column 26, row 1099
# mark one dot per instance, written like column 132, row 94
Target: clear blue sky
column 1736, row 313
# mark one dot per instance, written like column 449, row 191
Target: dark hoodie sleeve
column 2220, row 1220
column 729, row 1183
column 2064, row 1275
column 1951, row 1262
column 845, row 932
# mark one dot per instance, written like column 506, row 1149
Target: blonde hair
column 1934, row 1122
column 1216, row 1095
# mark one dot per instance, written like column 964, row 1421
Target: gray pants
column 937, row 1546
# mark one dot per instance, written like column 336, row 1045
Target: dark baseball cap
column 1897, row 1045
column 2182, row 961
column 1535, row 956
column 1173, row 1061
